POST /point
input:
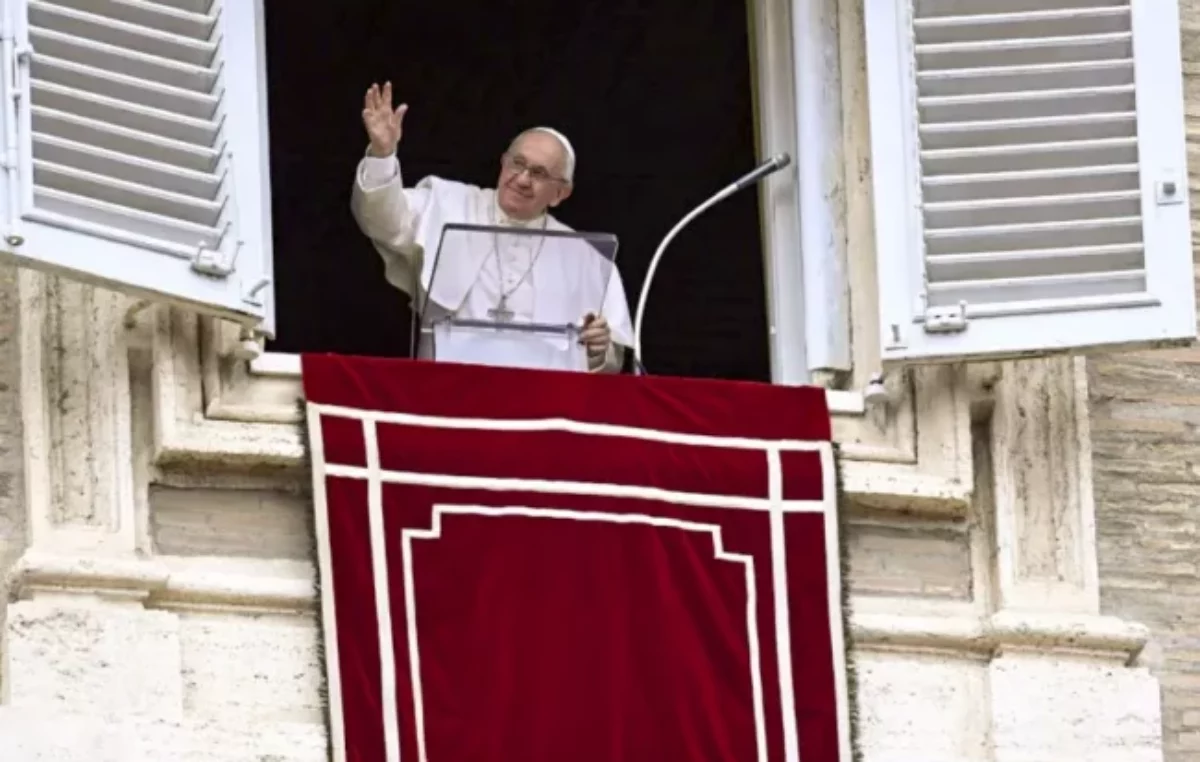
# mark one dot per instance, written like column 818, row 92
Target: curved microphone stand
column 770, row 166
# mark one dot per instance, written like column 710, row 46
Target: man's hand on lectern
column 384, row 125
column 596, row 335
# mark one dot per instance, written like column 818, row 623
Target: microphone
column 768, row 167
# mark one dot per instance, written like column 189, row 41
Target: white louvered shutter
column 136, row 148
column 1030, row 176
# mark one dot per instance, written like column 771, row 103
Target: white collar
column 503, row 219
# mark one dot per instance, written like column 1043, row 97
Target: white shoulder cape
column 583, row 278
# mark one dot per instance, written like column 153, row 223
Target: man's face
column 531, row 176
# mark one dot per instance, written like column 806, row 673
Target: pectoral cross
column 501, row 313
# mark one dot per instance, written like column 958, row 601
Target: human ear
column 563, row 194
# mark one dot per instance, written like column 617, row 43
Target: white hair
column 568, row 149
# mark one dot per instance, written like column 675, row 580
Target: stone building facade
column 1147, row 488
column 1022, row 535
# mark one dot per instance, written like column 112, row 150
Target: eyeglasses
column 518, row 164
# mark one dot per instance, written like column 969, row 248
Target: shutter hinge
column 946, row 319
column 214, row 262
column 253, row 295
column 22, row 56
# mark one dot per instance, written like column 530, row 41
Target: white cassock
column 524, row 275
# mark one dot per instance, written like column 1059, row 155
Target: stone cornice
column 1006, row 631
column 170, row 583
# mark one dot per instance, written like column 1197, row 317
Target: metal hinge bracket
column 215, row 262
column 211, row 262
column 253, row 295
column 946, row 319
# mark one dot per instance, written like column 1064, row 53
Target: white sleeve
column 389, row 215
column 377, row 172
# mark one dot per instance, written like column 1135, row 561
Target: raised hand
column 384, row 125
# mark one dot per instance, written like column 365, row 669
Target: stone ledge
column 121, row 577
column 1090, row 636
column 240, row 587
column 250, row 586
column 31, row 735
column 206, row 443
column 171, row 583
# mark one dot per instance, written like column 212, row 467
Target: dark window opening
column 654, row 94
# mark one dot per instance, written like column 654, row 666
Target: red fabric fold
column 688, row 406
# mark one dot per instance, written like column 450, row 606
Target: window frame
column 214, row 407
column 773, row 69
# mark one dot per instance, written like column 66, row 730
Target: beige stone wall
column 1146, row 435
column 12, row 508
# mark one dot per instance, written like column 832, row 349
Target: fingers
column 594, row 329
column 595, row 334
column 398, row 115
column 377, row 99
column 596, row 347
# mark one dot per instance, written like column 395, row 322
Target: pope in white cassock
column 520, row 278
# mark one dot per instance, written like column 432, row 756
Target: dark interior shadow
column 654, row 94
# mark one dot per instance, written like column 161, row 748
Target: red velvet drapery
column 543, row 567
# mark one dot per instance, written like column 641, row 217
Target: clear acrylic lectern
column 532, row 317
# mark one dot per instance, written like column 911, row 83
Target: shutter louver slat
column 150, row 16
column 184, row 6
column 1033, row 209
column 1020, row 25
column 107, row 30
column 99, row 215
column 63, row 47
column 1033, row 130
column 1029, row 158
column 983, row 241
column 118, row 114
column 125, row 193
column 126, row 119
column 131, row 90
column 1029, row 153
column 1036, row 262
column 1008, row 184
column 147, row 145
column 931, row 9
column 56, row 150
column 1042, row 287
column 1019, row 78
column 1026, row 104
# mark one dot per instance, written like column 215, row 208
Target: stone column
column 1060, row 681
column 1045, row 524
column 78, row 639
